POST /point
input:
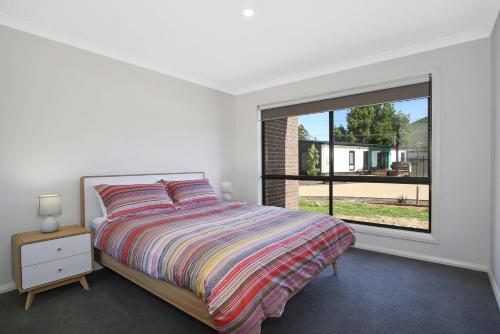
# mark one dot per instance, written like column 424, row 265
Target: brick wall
column 281, row 158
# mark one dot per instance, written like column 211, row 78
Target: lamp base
column 226, row 197
column 50, row 224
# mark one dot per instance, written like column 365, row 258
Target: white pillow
column 101, row 204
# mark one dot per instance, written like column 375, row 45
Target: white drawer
column 54, row 249
column 54, row 270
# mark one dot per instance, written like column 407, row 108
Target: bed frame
column 181, row 298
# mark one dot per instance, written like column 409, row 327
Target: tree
column 400, row 126
column 304, row 134
column 378, row 124
column 359, row 124
column 313, row 161
column 340, row 134
column 401, row 129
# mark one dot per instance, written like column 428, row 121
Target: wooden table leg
column 335, row 268
column 83, row 282
column 29, row 300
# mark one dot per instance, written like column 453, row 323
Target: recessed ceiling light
column 248, row 12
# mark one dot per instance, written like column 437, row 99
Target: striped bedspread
column 243, row 260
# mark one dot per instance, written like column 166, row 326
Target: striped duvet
column 243, row 260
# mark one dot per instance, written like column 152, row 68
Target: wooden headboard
column 89, row 205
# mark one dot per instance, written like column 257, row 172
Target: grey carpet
column 375, row 293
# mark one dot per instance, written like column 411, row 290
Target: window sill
column 393, row 233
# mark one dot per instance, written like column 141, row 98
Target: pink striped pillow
column 128, row 200
column 190, row 191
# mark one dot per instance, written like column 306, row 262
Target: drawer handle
column 59, row 270
column 59, row 249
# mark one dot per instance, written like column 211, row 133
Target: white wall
column 495, row 241
column 462, row 109
column 393, row 156
column 65, row 113
column 325, row 158
column 341, row 161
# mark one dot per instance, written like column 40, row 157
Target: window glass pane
column 389, row 139
column 297, row 145
column 403, row 205
column 314, row 153
column 313, row 197
column 309, row 196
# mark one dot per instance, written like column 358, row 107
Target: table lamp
column 49, row 206
column 226, row 189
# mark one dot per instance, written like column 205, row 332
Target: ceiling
column 213, row 44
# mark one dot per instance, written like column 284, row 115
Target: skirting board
column 428, row 258
column 7, row 287
column 495, row 287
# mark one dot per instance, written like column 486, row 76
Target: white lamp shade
column 226, row 187
column 49, row 205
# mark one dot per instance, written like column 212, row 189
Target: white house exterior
column 350, row 158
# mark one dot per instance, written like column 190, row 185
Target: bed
column 228, row 264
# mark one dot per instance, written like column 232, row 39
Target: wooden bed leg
column 335, row 268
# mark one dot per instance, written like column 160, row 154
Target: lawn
column 361, row 209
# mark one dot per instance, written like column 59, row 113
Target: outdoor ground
column 374, row 190
column 370, row 202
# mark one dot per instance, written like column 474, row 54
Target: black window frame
column 331, row 178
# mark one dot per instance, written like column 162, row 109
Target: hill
column 418, row 133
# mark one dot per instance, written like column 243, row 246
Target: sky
column 317, row 124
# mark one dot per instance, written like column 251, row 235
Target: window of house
column 310, row 153
column 351, row 160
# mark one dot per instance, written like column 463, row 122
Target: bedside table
column 43, row 261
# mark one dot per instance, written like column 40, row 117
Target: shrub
column 401, row 199
column 313, row 161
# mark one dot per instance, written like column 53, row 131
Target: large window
column 364, row 158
